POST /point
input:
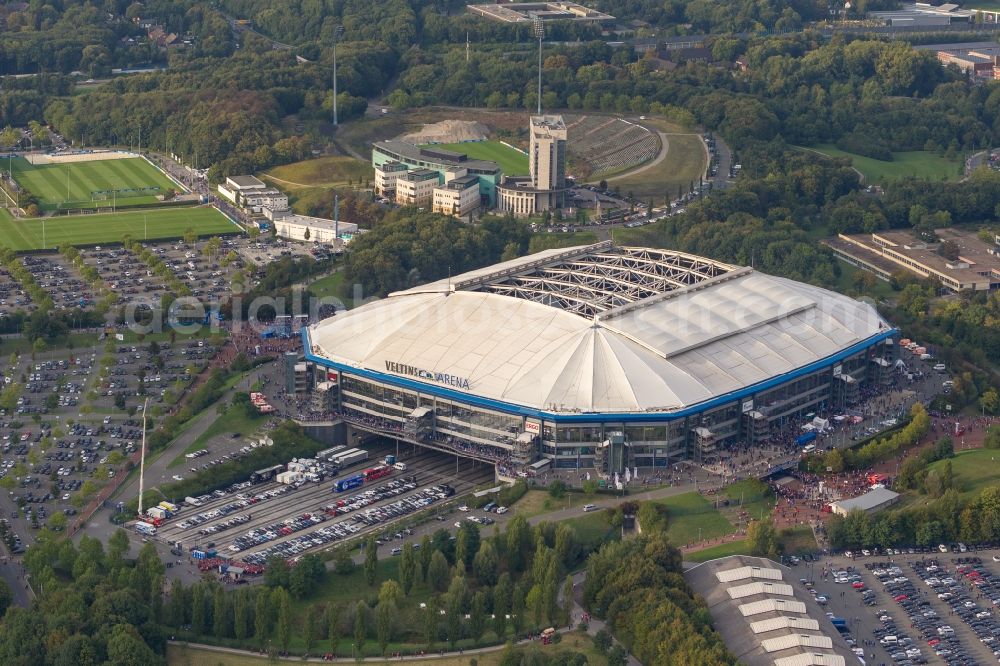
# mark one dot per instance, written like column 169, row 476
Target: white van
column 808, row 448
column 400, row 467
column 889, row 640
column 940, row 367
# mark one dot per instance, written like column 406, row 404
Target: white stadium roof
column 599, row 328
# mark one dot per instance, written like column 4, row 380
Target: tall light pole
column 539, row 29
column 338, row 32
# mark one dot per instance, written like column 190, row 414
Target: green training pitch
column 512, row 162
column 26, row 234
column 73, row 185
column 915, row 164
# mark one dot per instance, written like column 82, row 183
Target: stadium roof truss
column 594, row 282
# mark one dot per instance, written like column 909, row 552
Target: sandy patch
column 449, row 131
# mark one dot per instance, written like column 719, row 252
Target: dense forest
column 410, row 247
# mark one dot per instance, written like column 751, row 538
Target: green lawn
column 972, row 470
column 756, row 496
column 797, row 540
column 691, row 515
column 322, row 171
column 845, row 283
column 26, row 234
column 233, row 420
column 75, row 184
column 512, row 162
column 685, row 162
column 186, row 655
column 739, row 547
column 918, row 164
column 547, row 241
column 334, row 286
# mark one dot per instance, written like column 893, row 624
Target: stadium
column 600, row 357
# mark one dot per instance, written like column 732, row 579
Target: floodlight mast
column 338, row 32
column 539, row 29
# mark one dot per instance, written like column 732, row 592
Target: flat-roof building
column 416, row 188
column 764, row 617
column 600, row 357
column 921, row 14
column 979, row 59
column 313, row 229
column 237, row 185
column 459, row 196
column 436, row 159
column 525, row 12
column 975, row 268
column 386, row 175
column 872, row 501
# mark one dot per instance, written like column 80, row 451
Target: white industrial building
column 313, row 229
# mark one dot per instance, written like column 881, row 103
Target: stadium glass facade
column 571, row 441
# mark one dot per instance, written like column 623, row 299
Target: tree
column 618, row 656
column 477, row 615
column 262, row 616
column 371, row 560
column 455, row 609
column 992, row 440
column 568, row 601
column 383, row 624
column 241, row 616
column 437, row 572
column 486, row 564
column 310, row 629
column 466, row 544
column 603, row 640
column 535, row 602
column 6, row 597
column 501, row 604
column 198, row 609
column 407, row 568
column 431, row 623
column 343, row 564
column 333, row 626
column 117, row 547
column 426, row 552
column 283, row 629
column 360, row 631
column 190, row 236
column 989, row 401
column 761, row 538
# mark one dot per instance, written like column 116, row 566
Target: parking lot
column 261, row 254
column 13, row 296
column 60, row 280
column 911, row 607
column 205, row 267
column 75, row 419
column 254, row 521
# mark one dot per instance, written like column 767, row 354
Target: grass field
column 233, row 420
column 685, row 163
column 26, row 234
column 512, row 162
column 180, row 655
column 322, row 172
column 308, row 181
column 336, row 285
column 972, row 470
column 548, row 241
column 690, row 515
column 918, row 164
column 71, row 185
column 739, row 547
